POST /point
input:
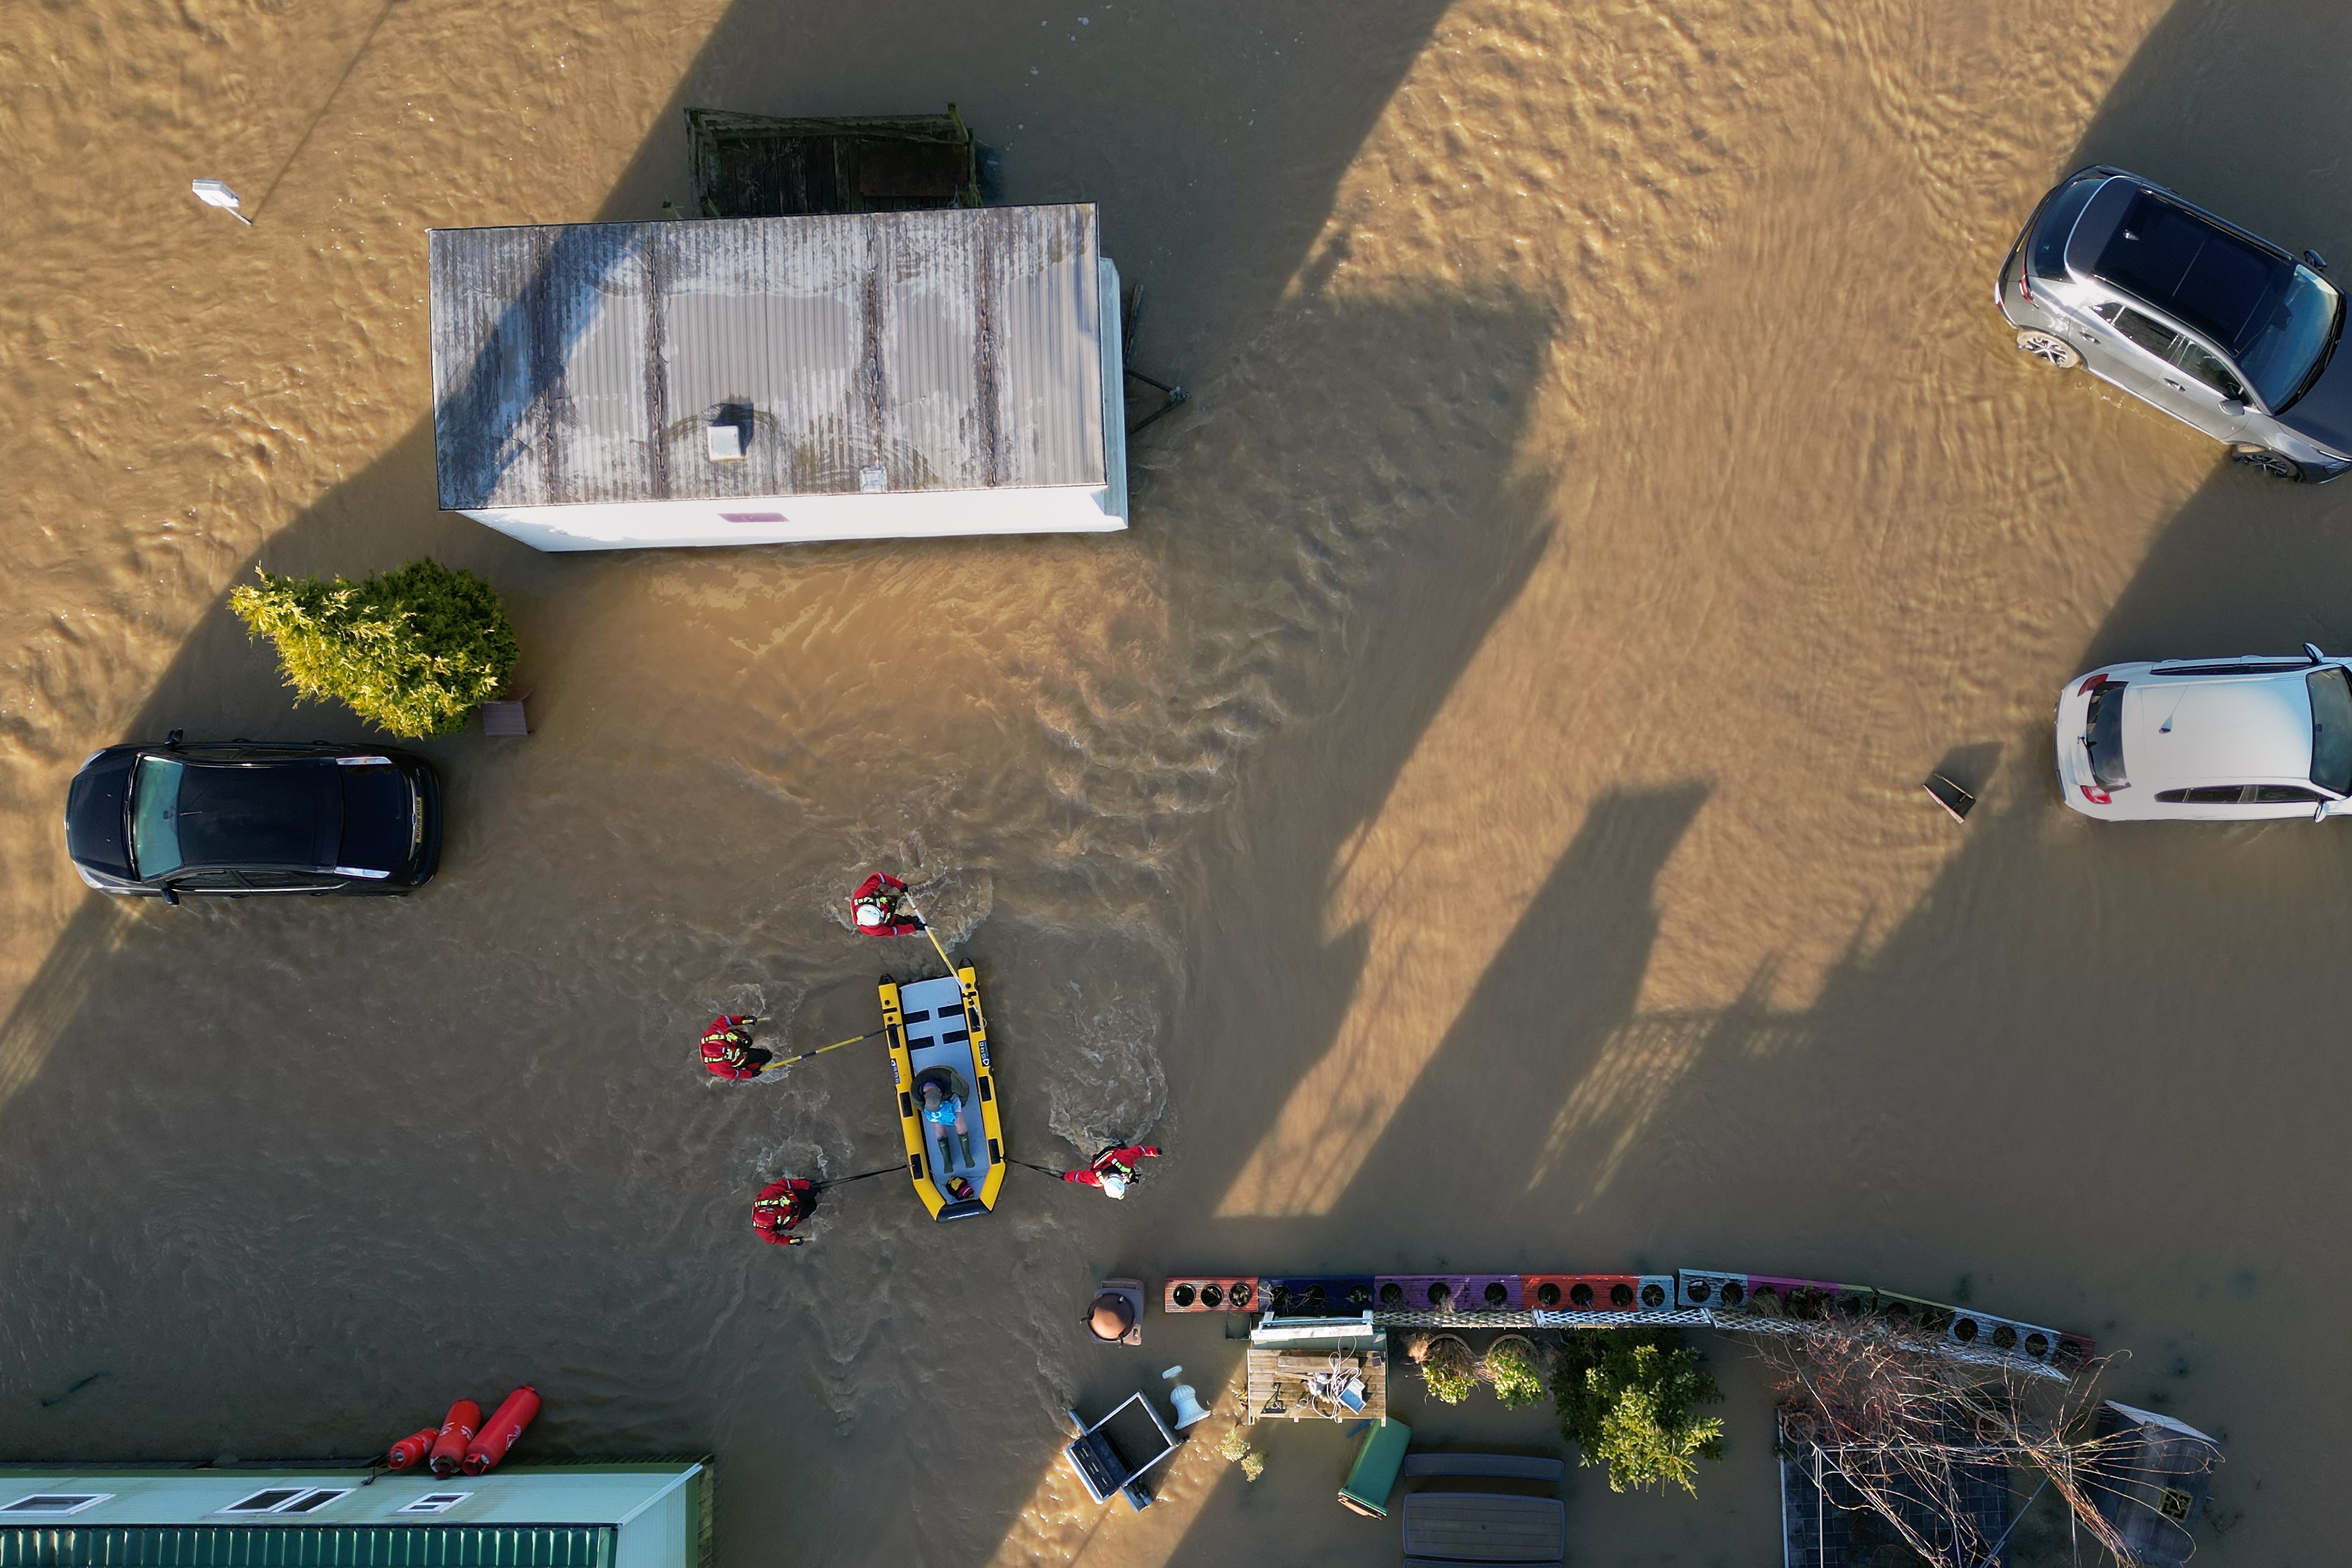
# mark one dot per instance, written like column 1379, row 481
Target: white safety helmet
column 869, row 915
column 1114, row 1183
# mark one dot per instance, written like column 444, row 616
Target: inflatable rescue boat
column 939, row 1041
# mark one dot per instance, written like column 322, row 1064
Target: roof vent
column 873, row 479
column 728, row 432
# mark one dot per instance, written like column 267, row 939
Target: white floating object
column 213, row 193
column 1187, row 1403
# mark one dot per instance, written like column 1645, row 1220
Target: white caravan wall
column 803, row 520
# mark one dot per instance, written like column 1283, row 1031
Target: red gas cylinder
column 499, row 1434
column 410, row 1451
column 457, row 1429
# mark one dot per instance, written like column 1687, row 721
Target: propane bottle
column 457, row 1429
column 499, row 1434
column 410, row 1451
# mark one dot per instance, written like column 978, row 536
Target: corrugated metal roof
column 955, row 350
column 309, row 1546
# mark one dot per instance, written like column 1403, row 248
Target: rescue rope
column 935, row 939
column 787, row 1061
column 845, row 1180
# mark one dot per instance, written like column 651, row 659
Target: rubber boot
column 965, row 1139
column 947, row 1154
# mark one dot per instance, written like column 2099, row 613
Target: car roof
column 2209, row 275
column 279, row 812
column 2235, row 728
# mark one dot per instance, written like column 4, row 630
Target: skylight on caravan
column 286, row 1500
column 52, row 1505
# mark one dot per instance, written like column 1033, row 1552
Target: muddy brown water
column 1472, row 820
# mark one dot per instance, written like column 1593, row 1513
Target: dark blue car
column 245, row 817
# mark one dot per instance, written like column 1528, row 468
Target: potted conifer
column 417, row 651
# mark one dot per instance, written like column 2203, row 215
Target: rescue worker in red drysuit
column 1114, row 1170
column 728, row 1051
column 780, row 1205
column 874, row 908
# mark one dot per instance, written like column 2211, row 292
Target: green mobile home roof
column 308, row 1546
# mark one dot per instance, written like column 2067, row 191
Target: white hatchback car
column 2213, row 740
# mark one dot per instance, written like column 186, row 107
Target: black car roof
column 2211, row 278
column 284, row 812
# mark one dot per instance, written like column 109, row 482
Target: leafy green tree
column 415, row 650
column 1628, row 1398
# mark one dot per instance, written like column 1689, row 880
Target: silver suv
column 2191, row 313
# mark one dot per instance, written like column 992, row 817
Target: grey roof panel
column 954, row 350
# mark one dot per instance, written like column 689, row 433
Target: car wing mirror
column 171, row 741
column 2234, row 406
column 171, row 894
column 2318, row 262
column 2312, row 651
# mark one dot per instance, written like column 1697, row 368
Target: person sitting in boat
column 782, row 1205
column 945, row 1112
column 728, row 1051
column 1115, row 1169
column 875, row 907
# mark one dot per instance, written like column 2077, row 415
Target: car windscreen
column 2331, row 729
column 379, row 818
column 154, row 817
column 2048, row 257
column 2223, row 285
column 2103, row 734
column 2288, row 342
column 197, row 814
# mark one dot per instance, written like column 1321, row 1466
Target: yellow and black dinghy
column 946, row 1093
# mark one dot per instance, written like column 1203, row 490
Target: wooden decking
column 1278, row 1378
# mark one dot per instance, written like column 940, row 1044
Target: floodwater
column 1471, row 820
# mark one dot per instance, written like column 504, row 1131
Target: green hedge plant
column 1448, row 1371
column 1628, row 1398
column 1511, row 1368
column 415, row 651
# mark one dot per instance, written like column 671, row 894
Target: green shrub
column 1236, row 1446
column 1448, row 1371
column 1628, row 1398
column 1511, row 1367
column 415, row 651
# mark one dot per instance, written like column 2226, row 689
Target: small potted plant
column 1448, row 1371
column 1514, row 1371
